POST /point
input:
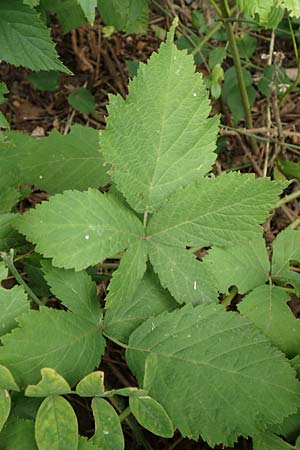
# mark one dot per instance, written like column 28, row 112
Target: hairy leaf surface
column 150, row 299
column 267, row 308
column 51, row 338
column 13, row 303
column 269, row 441
column 172, row 132
column 25, row 40
column 79, row 229
column 219, row 211
column 207, row 357
column 76, row 290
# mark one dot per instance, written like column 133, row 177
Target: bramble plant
column 200, row 369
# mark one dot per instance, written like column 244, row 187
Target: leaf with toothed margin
column 79, row 229
column 215, row 374
column 166, row 140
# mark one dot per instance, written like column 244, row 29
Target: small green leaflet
column 44, row 338
column 91, row 385
column 76, row 290
column 68, row 12
column 79, row 229
column 267, row 308
column 82, row 100
column 13, row 303
column 52, row 383
column 269, row 441
column 25, row 40
column 264, row 8
column 108, row 431
column 150, row 299
column 18, row 434
column 9, row 237
column 5, row 404
column 245, row 265
column 88, row 7
column 44, row 80
column 286, row 248
column 205, row 357
column 56, row 425
column 63, row 156
column 172, row 132
column 7, row 380
column 125, row 15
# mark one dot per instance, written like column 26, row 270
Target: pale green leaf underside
column 18, row 434
column 150, row 299
column 165, row 140
column 56, row 425
column 88, row 7
column 269, row 441
column 51, row 338
column 267, row 308
column 52, row 383
column 57, row 162
column 125, row 15
column 286, row 248
column 108, row 431
column 25, row 40
column 76, row 290
column 79, row 229
column 187, row 279
column 207, row 357
column 13, row 303
column 245, row 265
column 127, row 277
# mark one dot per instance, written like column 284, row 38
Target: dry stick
column 269, row 63
column 226, row 13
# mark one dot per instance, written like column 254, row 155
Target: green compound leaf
column 63, row 156
column 215, row 211
column 44, row 339
column 13, row 303
column 7, row 380
column 205, row 358
column 18, row 434
column 91, row 385
column 56, row 425
column 52, row 383
column 265, row 9
column 245, row 265
column 125, row 15
column 5, row 404
column 76, row 290
column 172, row 132
column 286, row 248
column 126, row 279
column 194, row 285
column 25, row 40
column 88, row 7
column 82, row 100
column 151, row 415
column 267, row 308
column 108, row 431
column 122, row 318
column 79, row 229
column 269, row 441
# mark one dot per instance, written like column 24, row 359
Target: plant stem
column 125, row 413
column 228, row 299
column 287, row 199
column 9, row 262
column 297, row 81
column 121, row 344
column 225, row 14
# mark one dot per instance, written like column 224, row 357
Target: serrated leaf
column 52, row 383
column 5, row 404
column 205, row 358
column 108, row 431
column 245, row 265
column 215, row 211
column 56, row 425
column 269, row 441
column 91, row 385
column 9, row 237
column 172, row 132
column 82, row 100
column 7, row 380
column 125, row 15
column 64, row 156
column 44, row 338
column 25, row 40
column 151, row 415
column 195, row 285
column 122, row 318
column 68, row 12
column 286, row 248
column 35, row 276
column 9, row 192
column 18, row 434
column 267, row 308
column 76, row 290
column 264, row 9
column 79, row 229
column 88, row 7
column 13, row 303
column 127, row 277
